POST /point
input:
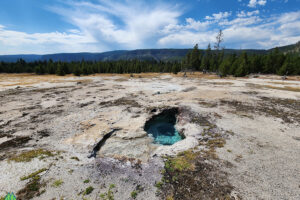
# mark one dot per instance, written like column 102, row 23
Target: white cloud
column 12, row 42
column 262, row 2
column 218, row 16
column 190, row 25
column 254, row 3
column 105, row 25
column 136, row 24
column 241, row 21
column 187, row 38
column 247, row 14
column 247, row 30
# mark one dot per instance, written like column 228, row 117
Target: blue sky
column 54, row 26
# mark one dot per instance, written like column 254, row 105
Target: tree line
column 89, row 67
column 275, row 62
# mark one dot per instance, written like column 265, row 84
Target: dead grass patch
column 281, row 83
column 127, row 76
column 286, row 109
column 285, row 88
column 121, row 102
column 220, row 83
column 207, row 104
column 121, row 79
column 252, row 85
column 81, row 81
column 201, row 120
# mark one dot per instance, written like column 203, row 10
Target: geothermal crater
column 162, row 127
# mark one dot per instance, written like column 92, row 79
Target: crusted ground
column 241, row 137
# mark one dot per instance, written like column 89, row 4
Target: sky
column 60, row 26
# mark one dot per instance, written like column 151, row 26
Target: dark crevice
column 14, row 143
column 98, row 146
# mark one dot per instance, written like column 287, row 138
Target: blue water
column 162, row 129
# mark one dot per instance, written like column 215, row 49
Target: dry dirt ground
column 242, row 137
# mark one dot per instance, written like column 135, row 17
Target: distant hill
column 293, row 48
column 141, row 54
column 13, row 58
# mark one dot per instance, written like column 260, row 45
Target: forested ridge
column 274, row 62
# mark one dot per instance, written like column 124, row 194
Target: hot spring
column 162, row 128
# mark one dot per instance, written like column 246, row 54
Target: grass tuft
column 57, row 183
column 134, row 194
column 88, row 190
column 32, row 175
column 109, row 195
column 183, row 162
column 169, row 197
column 29, row 155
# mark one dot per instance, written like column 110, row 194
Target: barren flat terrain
column 83, row 137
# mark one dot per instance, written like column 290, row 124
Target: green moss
column 134, row 194
column 34, row 185
column 159, row 185
column 169, row 197
column 33, row 174
column 88, row 190
column 183, row 162
column 57, row 183
column 86, row 181
column 29, row 155
column 111, row 186
column 109, row 195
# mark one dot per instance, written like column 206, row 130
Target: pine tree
column 77, row 70
column 194, row 58
column 206, row 59
column 224, row 67
column 59, row 70
column 38, row 70
column 243, row 68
